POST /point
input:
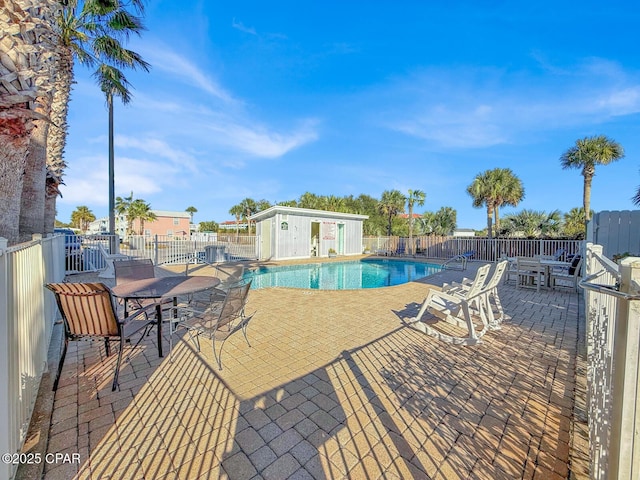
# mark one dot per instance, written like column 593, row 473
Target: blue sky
column 269, row 100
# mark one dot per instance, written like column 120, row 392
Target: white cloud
column 625, row 101
column 159, row 149
column 261, row 142
column 455, row 128
column 161, row 57
column 475, row 108
column 90, row 186
column 227, row 133
column 240, row 26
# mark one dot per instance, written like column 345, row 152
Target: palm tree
column 263, row 205
column 93, row 31
column 191, row 211
column 332, row 203
column 141, row 210
column 494, row 188
column 123, row 207
column 249, row 207
column 533, row 224
column 442, row 223
column 573, row 223
column 481, row 190
column 81, row 217
column 309, row 200
column 508, row 191
column 390, row 205
column 237, row 211
column 415, row 197
column 445, row 221
column 636, row 197
column 26, row 46
column 586, row 154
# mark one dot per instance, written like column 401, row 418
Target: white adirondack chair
column 463, row 309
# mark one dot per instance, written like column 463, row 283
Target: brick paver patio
column 335, row 385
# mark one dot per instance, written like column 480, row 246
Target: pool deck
column 335, row 385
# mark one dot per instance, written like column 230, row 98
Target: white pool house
column 286, row 233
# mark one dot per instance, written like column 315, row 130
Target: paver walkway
column 335, row 385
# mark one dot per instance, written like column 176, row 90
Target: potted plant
column 332, row 253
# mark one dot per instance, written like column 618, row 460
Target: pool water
column 352, row 275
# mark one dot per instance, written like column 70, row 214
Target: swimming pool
column 352, row 275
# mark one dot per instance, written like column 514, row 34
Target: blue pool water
column 352, row 275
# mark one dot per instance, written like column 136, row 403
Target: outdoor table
column 163, row 287
column 549, row 265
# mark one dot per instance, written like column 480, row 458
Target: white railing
column 612, row 299
column 27, row 314
column 487, row 250
column 178, row 250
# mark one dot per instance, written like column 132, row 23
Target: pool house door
column 340, row 248
column 315, row 239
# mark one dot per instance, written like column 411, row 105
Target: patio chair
column 462, row 310
column 567, row 277
column 214, row 318
column 511, row 272
column 491, row 291
column 228, row 276
column 530, row 273
column 88, row 313
column 132, row 269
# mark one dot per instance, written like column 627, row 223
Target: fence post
column 6, row 422
column 155, row 249
column 624, row 461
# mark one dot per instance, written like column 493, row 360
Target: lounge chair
column 458, row 262
column 88, row 313
column 214, row 318
column 109, row 258
column 491, row 291
column 401, row 249
column 463, row 310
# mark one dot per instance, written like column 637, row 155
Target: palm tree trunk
column 57, row 133
column 34, row 183
column 111, row 173
column 489, row 221
column 410, row 228
column 14, row 138
column 50, row 197
column 586, row 197
column 496, row 223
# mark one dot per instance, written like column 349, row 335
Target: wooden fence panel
column 617, row 231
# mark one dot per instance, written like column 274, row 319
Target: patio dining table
column 162, row 288
column 548, row 266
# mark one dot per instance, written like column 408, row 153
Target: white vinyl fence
column 612, row 299
column 487, row 250
column 215, row 248
column 27, row 314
